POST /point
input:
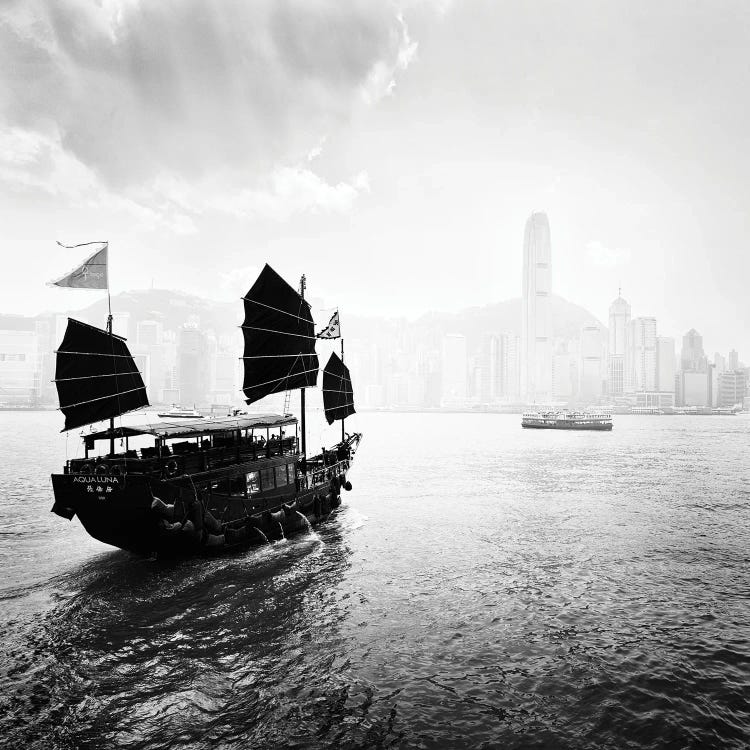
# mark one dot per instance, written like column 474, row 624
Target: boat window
column 253, row 482
column 291, row 473
column 233, row 486
column 281, row 475
column 266, row 479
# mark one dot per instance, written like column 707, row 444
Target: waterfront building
column 666, row 363
column 454, row 390
column 693, row 358
column 192, row 366
column 657, row 400
column 46, row 345
column 732, row 387
column 19, row 362
column 488, row 370
column 643, row 354
column 224, row 383
column 563, row 372
column 148, row 333
column 696, row 388
column 591, row 371
column 720, row 362
column 510, row 367
column 733, row 361
column 121, row 324
column 536, row 342
column 618, row 356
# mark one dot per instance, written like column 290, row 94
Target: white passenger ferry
column 567, row 420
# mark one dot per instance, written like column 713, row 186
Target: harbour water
column 481, row 586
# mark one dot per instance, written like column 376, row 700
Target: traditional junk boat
column 566, row 420
column 205, row 485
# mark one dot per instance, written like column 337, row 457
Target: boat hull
column 178, row 517
column 567, row 426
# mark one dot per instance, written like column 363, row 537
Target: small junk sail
column 279, row 339
column 96, row 376
column 338, row 397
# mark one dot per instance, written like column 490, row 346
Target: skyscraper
column 693, row 358
column 643, row 354
column 454, row 369
column 665, row 364
column 591, row 369
column 193, row 372
column 618, row 358
column 536, row 341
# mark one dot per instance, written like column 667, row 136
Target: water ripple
column 524, row 591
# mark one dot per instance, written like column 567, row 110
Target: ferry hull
column 569, row 426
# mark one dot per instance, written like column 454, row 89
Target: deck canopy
column 195, row 427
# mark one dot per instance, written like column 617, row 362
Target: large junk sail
column 96, row 376
column 338, row 397
column 279, row 339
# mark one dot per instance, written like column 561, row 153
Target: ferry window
column 266, row 479
column 281, row 475
column 291, row 474
column 253, row 482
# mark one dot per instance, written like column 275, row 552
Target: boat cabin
column 169, row 449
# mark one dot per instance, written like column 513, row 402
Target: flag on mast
column 333, row 329
column 91, row 274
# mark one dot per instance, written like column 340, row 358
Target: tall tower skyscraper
column 643, row 353
column 618, row 357
column 536, row 339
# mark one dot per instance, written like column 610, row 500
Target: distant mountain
column 474, row 322
column 174, row 309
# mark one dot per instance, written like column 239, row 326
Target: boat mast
column 109, row 331
column 343, row 419
column 302, row 284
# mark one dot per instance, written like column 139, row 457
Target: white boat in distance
column 567, row 420
column 180, row 412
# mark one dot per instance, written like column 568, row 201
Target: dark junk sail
column 338, row 397
column 96, row 376
column 279, row 339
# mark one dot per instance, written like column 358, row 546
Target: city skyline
column 187, row 351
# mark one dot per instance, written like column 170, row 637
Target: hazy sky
column 389, row 150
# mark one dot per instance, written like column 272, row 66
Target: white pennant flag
column 333, row 329
column 91, row 274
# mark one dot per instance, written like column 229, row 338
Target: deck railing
column 321, row 474
column 188, row 461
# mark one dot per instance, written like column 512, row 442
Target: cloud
column 293, row 190
column 601, row 255
column 136, row 89
column 32, row 161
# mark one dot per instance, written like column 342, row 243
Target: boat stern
column 113, row 509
